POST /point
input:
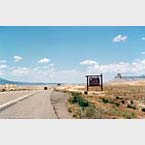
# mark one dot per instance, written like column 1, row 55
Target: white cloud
column 88, row 62
column 143, row 52
column 17, row 58
column 120, row 38
column 51, row 64
column 1, row 73
column 44, row 60
column 135, row 67
column 3, row 66
column 46, row 74
column 69, row 76
column 20, row 71
column 3, row 61
column 143, row 38
column 49, row 73
column 3, row 69
column 36, row 74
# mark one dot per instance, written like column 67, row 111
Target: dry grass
column 117, row 102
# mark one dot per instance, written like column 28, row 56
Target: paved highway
column 37, row 105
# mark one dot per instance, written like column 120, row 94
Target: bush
column 123, row 102
column 3, row 90
column 89, row 112
column 104, row 100
column 117, row 104
column 131, row 102
column 143, row 109
column 74, row 100
column 77, row 98
column 83, row 102
column 129, row 115
column 131, row 107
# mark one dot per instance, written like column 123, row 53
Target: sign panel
column 94, row 81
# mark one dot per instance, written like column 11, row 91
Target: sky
column 67, row 54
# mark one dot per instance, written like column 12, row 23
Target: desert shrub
column 131, row 107
column 143, row 109
column 104, row 100
column 83, row 102
column 69, row 110
column 131, row 102
column 74, row 99
column 82, row 108
column 117, row 97
column 89, row 112
column 129, row 115
column 77, row 98
column 3, row 90
column 77, row 113
column 117, row 104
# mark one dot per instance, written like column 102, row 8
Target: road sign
column 94, row 80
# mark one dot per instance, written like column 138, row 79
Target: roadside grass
column 77, row 98
column 88, row 107
column 117, row 102
column 130, row 92
column 105, row 100
column 81, row 107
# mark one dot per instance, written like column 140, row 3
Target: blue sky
column 66, row 54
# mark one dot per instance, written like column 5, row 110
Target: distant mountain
column 4, row 81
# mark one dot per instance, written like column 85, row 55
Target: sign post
column 94, row 81
column 87, row 83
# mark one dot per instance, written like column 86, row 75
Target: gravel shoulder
column 58, row 100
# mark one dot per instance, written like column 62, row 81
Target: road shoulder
column 58, row 100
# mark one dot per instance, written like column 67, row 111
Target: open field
column 119, row 100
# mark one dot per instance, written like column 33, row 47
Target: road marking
column 5, row 105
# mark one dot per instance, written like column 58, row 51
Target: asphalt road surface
column 36, row 106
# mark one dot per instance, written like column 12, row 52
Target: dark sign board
column 94, row 81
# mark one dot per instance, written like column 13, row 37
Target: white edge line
column 5, row 105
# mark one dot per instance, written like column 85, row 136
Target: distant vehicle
column 45, row 88
column 58, row 84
